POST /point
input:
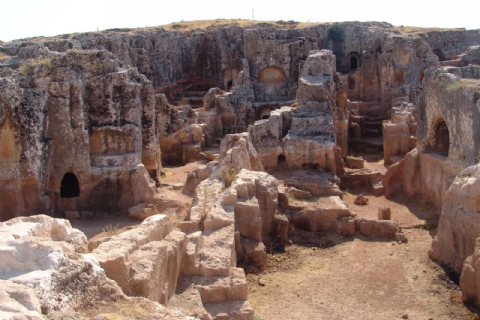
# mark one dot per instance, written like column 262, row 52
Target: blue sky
column 29, row 18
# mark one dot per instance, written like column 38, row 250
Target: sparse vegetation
column 164, row 175
column 291, row 197
column 250, row 128
column 206, row 197
column 228, row 176
column 111, row 230
column 463, row 84
column 255, row 317
column 3, row 56
column 27, row 67
column 179, row 26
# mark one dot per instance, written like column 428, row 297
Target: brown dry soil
column 326, row 276
column 170, row 201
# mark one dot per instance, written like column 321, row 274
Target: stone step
column 218, row 288
column 360, row 145
column 358, row 177
column 374, row 125
column 373, row 132
column 217, row 254
column 192, row 251
column 230, row 310
column 156, row 267
column 377, row 186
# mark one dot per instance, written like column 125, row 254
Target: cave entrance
column 441, row 138
column 439, row 54
column 69, row 187
column 230, row 85
column 281, row 160
column 353, row 63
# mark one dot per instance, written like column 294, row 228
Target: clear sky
column 29, row 18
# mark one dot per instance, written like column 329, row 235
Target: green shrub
column 111, row 230
column 228, row 176
column 336, row 32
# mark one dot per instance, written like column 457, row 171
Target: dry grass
column 228, row 176
column 111, row 230
column 463, row 84
column 417, row 30
column 203, row 24
column 3, row 56
column 29, row 65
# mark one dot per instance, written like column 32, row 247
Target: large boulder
column 459, row 224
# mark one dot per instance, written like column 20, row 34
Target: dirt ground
column 170, row 201
column 326, row 276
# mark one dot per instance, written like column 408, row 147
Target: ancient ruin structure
column 88, row 122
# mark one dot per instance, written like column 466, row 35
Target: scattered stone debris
column 361, row 200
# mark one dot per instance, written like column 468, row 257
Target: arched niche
column 272, row 74
column 353, row 60
column 110, row 142
column 441, row 137
column 69, row 188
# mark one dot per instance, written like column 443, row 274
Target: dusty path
column 357, row 279
column 325, row 276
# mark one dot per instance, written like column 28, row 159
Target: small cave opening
column 441, row 138
column 281, row 160
column 265, row 113
column 69, row 187
column 439, row 54
column 230, row 85
column 353, row 63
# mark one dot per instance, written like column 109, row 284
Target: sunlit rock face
column 78, row 133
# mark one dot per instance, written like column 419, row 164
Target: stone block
column 384, row 213
column 72, row 215
column 355, row 163
column 87, row 215
column 345, row 226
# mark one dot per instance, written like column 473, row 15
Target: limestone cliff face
column 178, row 61
column 77, row 133
column 306, row 136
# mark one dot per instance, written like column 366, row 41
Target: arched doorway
column 353, row 63
column 353, row 60
column 69, row 187
column 272, row 74
column 441, row 138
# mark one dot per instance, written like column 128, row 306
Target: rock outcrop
column 306, row 136
column 446, row 134
column 46, row 273
column 77, row 133
column 459, row 224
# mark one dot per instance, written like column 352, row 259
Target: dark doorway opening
column 353, row 63
column 439, row 54
column 281, row 160
column 265, row 116
column 229, row 85
column 69, row 187
column 441, row 138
